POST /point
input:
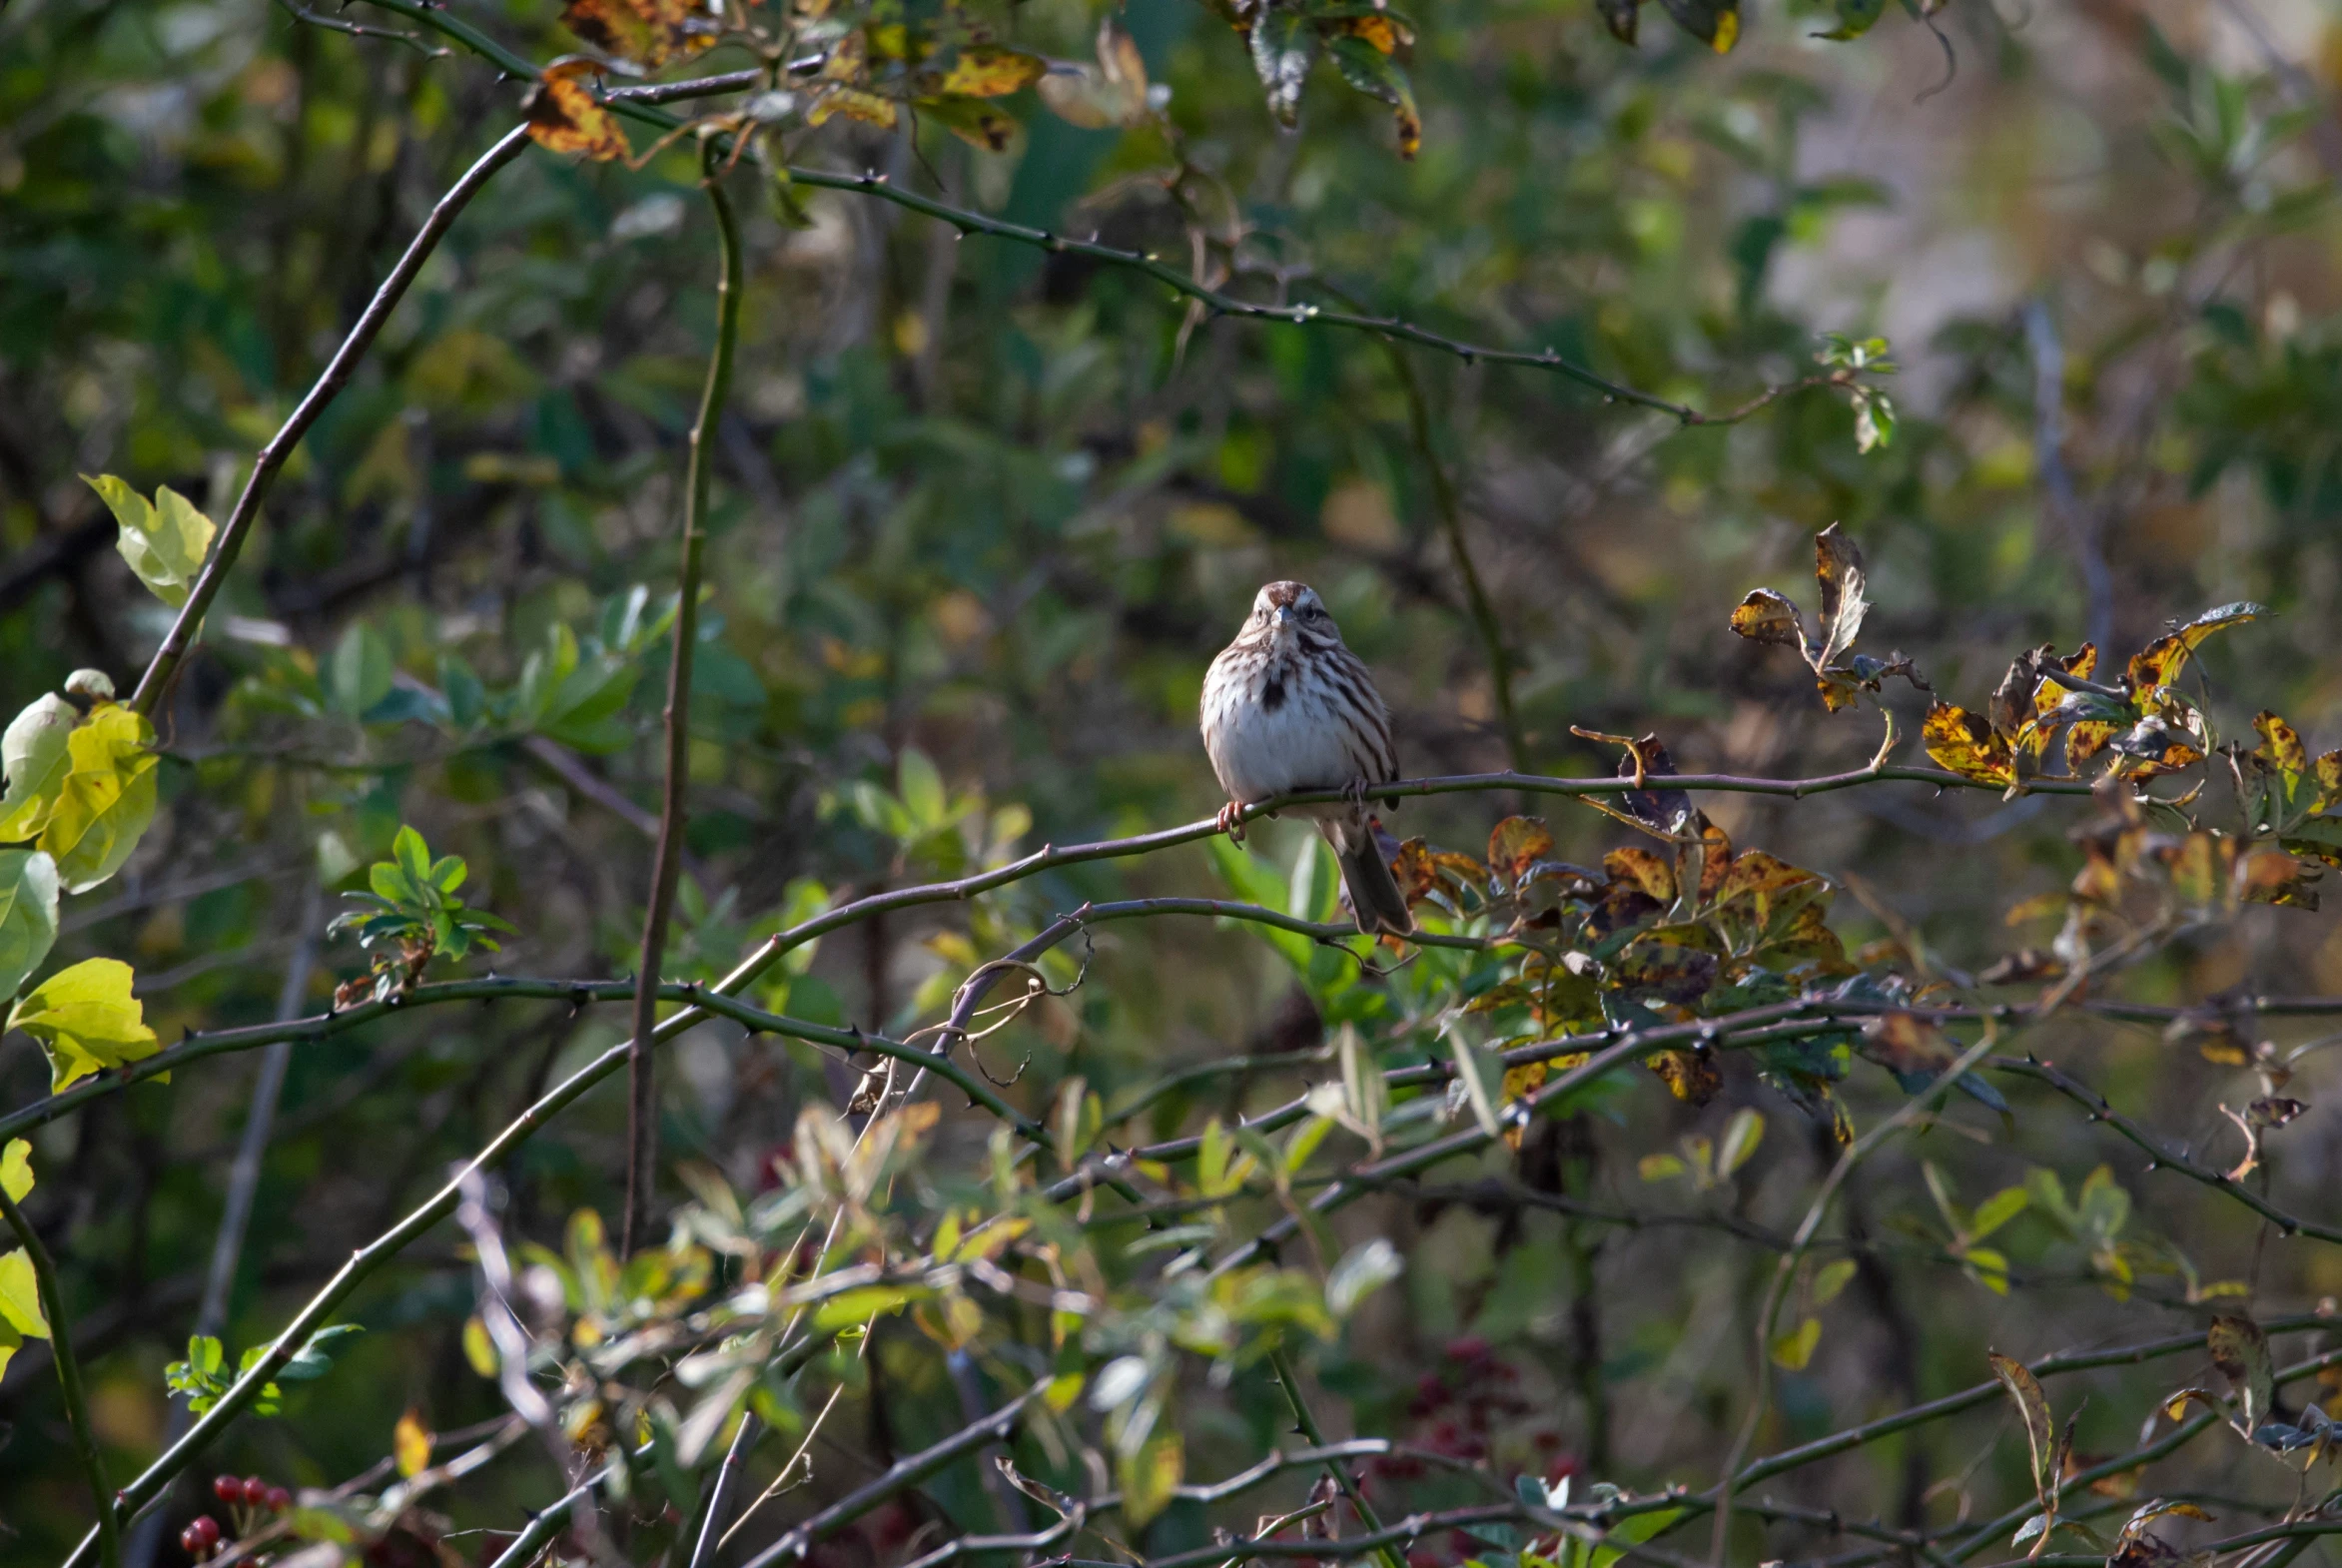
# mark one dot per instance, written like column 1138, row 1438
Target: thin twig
column 335, row 375
column 1177, row 279
column 643, row 1112
column 77, row 1405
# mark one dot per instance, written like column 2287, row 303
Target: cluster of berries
column 247, row 1497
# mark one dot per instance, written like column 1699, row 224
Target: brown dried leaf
column 2241, row 1351
column 1413, row 870
column 2270, row 876
column 563, row 116
column 1715, row 860
column 2274, row 1111
column 1756, row 874
column 1769, row 618
column 1968, row 745
column 1691, row 1076
column 2020, row 968
column 855, row 104
column 2032, row 1409
column 1838, row 566
column 647, row 32
column 1642, row 869
column 1679, row 975
column 1907, row 1043
column 2085, row 740
column 1516, row 844
column 2160, row 662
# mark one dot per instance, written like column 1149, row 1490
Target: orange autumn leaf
column 564, row 116
column 648, row 33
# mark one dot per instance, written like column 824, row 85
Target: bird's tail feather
column 1376, row 900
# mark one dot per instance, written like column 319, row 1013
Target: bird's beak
column 1285, row 614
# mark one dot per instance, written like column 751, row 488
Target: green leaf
column 1283, row 48
column 1831, row 1279
column 86, row 1020
column 1997, row 1210
column 851, row 1309
column 311, row 1361
column 1742, row 1134
column 35, row 760
column 1150, row 1476
column 107, row 799
column 1480, row 1071
column 360, row 673
column 20, row 1296
column 922, row 790
column 1632, row 1530
column 1378, row 75
column 165, row 542
column 28, row 914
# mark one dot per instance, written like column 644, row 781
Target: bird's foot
column 1231, row 821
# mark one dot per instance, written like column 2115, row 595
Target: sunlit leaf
column 28, row 914
column 648, row 33
column 411, row 1443
column 1791, row 1350
column 991, row 71
column 563, row 116
column 85, row 1020
column 1966, row 744
column 1516, row 844
column 165, row 542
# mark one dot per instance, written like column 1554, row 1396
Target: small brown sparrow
column 1286, row 707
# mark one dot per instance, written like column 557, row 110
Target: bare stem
column 643, row 1112
column 1283, row 1366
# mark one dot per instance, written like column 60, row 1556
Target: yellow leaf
column 1962, row 742
column 478, row 1348
column 35, row 759
column 16, row 1170
column 86, row 1020
column 564, row 117
column 107, row 799
column 990, row 71
column 1795, row 1348
column 646, row 32
column 411, row 1444
column 20, row 1298
column 855, row 104
column 165, row 542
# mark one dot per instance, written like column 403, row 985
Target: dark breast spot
column 1273, row 694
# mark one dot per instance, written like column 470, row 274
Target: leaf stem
column 77, row 1405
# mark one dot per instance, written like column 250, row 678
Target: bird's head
column 1287, row 610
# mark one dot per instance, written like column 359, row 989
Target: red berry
column 278, row 1500
column 256, row 1491
column 229, row 1489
